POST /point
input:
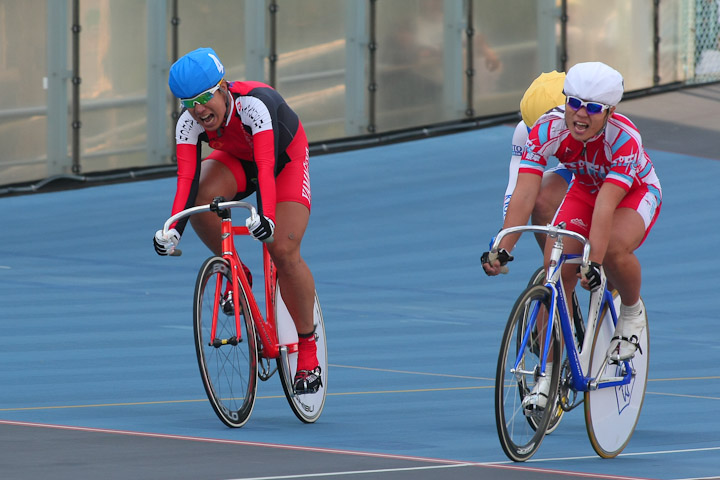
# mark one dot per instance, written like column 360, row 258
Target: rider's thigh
column 628, row 230
column 216, row 179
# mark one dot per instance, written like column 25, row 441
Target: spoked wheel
column 612, row 413
column 228, row 362
column 538, row 278
column 307, row 407
column 521, row 430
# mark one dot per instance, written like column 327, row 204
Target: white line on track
column 436, row 467
column 699, row 478
column 443, row 463
column 635, row 454
column 357, row 472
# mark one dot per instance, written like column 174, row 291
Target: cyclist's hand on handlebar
column 590, row 277
column 496, row 262
column 166, row 243
column 260, row 227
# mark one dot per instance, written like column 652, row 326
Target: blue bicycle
column 540, row 327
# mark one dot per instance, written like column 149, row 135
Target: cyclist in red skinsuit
column 613, row 200
column 259, row 146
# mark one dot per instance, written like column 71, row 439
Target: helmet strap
column 227, row 112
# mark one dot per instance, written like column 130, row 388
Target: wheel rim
column 520, row 433
column 229, row 371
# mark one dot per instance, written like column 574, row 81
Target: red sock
column 307, row 351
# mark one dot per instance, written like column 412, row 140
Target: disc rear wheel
column 307, row 407
column 612, row 413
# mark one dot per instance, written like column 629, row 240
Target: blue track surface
column 96, row 329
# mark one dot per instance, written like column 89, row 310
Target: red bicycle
column 234, row 342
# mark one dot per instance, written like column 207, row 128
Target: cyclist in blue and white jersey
column 544, row 94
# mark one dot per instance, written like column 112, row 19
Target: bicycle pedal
column 533, row 411
column 307, row 381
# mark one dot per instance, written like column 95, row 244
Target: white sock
column 546, row 380
column 632, row 322
column 635, row 309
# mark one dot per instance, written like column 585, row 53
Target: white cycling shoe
column 626, row 339
column 538, row 396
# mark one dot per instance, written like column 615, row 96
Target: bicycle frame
column 601, row 301
column 265, row 324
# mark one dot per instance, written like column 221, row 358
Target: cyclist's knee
column 618, row 259
column 284, row 252
column 618, row 249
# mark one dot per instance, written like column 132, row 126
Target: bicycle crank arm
column 284, row 357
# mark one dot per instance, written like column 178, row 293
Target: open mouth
column 581, row 127
column 207, row 119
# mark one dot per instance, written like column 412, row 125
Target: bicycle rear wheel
column 228, row 363
column 307, row 407
column 521, row 431
column 612, row 413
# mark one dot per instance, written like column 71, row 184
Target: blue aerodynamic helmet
column 195, row 72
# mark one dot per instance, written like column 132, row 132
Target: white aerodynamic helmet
column 594, row 81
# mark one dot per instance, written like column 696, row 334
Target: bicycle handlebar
column 206, row 208
column 549, row 230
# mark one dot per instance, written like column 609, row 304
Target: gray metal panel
column 547, row 20
column 453, row 32
column 255, row 48
column 356, row 17
column 58, row 160
column 158, row 150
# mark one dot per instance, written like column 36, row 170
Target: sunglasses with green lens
column 200, row 99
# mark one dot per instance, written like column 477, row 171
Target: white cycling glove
column 260, row 227
column 166, row 243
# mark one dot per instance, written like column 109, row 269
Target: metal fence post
column 58, row 160
column 356, row 43
column 254, row 35
column 157, row 70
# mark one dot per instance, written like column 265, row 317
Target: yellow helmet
column 543, row 94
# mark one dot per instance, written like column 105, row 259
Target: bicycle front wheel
column 228, row 361
column 538, row 278
column 520, row 430
column 307, row 407
column 612, row 413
